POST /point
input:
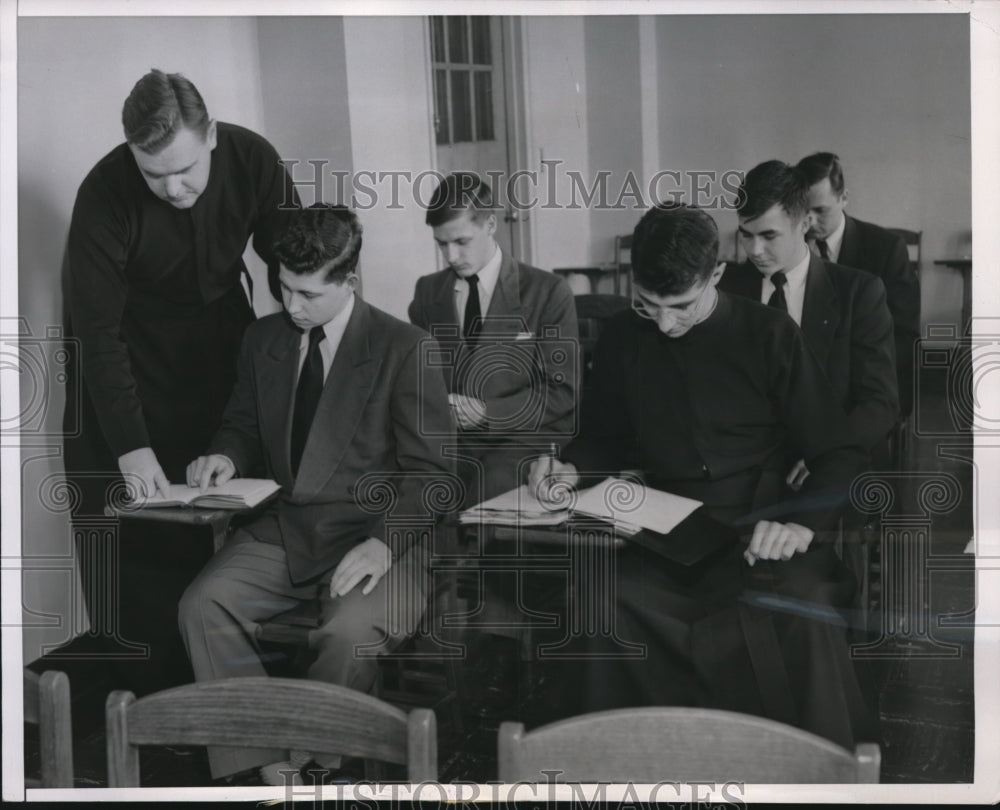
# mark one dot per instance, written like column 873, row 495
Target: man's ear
column 210, row 134
column 491, row 224
column 843, row 197
column 716, row 276
column 351, row 279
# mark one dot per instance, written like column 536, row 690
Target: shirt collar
column 797, row 275
column 834, row 239
column 488, row 275
column 335, row 327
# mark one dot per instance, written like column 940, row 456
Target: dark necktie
column 777, row 299
column 307, row 396
column 473, row 315
column 824, row 251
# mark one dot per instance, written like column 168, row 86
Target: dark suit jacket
column 847, row 326
column 378, row 414
column 525, row 365
column 883, row 254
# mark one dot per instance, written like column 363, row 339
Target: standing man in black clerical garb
column 155, row 300
column 703, row 392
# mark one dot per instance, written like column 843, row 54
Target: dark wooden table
column 216, row 519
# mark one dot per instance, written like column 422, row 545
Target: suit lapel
column 820, row 309
column 347, row 389
column 848, row 254
column 506, row 300
column 277, row 378
column 442, row 307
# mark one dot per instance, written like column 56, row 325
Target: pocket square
column 523, row 336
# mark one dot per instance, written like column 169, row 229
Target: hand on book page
column 237, row 493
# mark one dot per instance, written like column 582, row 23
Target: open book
column 629, row 505
column 236, row 493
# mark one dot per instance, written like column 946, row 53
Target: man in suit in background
column 840, row 238
column 842, row 311
column 508, row 334
column 509, row 330
column 327, row 392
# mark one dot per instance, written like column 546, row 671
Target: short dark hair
column 158, row 106
column 674, row 247
column 320, row 235
column 821, row 165
column 457, row 193
column 773, row 183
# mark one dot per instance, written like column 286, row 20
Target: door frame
column 515, row 80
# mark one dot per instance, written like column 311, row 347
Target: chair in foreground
column 47, row 704
column 654, row 744
column 268, row 713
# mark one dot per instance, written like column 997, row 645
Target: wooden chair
column 652, row 744
column 592, row 312
column 268, row 713
column 47, row 704
column 623, row 263
column 913, row 241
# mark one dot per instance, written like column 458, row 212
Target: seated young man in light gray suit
column 328, row 392
column 508, row 335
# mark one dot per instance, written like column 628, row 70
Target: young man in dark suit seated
column 703, row 391
column 838, row 237
column 842, row 311
column 330, row 401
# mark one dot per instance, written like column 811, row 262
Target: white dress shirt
column 334, row 331
column 833, row 242
column 487, row 284
column 795, row 289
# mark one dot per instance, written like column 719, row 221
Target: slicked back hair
column 460, row 192
column 769, row 184
column 320, row 235
column 820, row 165
column 158, row 106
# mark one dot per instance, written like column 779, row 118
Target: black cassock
column 155, row 301
column 719, row 415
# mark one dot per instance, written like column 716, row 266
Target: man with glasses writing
column 703, row 392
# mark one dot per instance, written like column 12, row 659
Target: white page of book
column 631, row 502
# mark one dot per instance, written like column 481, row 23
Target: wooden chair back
column 592, row 312
column 655, row 744
column 913, row 241
column 47, row 705
column 623, row 263
column 263, row 712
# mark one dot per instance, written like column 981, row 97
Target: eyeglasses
column 653, row 312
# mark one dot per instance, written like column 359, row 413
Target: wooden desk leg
column 220, row 531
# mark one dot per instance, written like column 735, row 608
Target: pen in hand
column 547, row 478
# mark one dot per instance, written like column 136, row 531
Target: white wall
column 888, row 93
column 73, row 76
column 556, row 98
column 388, row 96
column 614, row 121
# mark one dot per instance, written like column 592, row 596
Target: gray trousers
column 247, row 582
